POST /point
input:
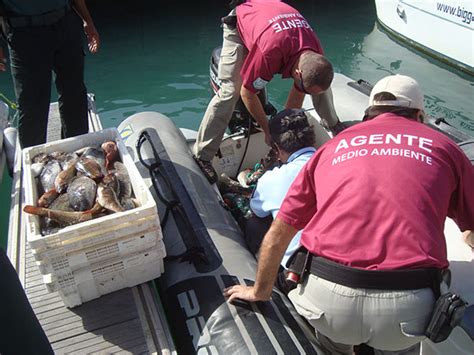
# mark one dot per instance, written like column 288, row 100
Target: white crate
column 124, row 245
column 99, row 231
column 92, row 282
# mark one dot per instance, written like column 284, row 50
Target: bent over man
column 46, row 36
column 372, row 202
column 268, row 37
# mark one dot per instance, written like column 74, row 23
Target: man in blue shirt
column 294, row 141
column 46, row 36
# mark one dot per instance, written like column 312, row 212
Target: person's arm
column 89, row 27
column 469, row 238
column 3, row 60
column 255, row 108
column 295, row 98
column 273, row 248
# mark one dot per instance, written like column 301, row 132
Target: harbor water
column 154, row 56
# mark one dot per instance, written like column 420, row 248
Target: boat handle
column 400, row 11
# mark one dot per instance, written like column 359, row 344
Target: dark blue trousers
column 36, row 52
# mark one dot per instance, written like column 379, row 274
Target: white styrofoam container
column 97, row 231
column 122, row 246
column 92, row 282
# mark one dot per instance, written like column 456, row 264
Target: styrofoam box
column 124, row 245
column 96, row 232
column 92, row 282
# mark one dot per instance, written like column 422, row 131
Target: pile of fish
column 79, row 186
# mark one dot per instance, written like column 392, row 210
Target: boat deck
column 127, row 321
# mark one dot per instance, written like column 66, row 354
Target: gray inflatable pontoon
column 206, row 252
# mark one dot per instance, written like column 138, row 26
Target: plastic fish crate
column 97, row 233
column 92, row 282
column 122, row 246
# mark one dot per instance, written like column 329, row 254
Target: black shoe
column 207, row 169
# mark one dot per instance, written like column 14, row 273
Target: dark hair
column 373, row 111
column 291, row 131
column 316, row 70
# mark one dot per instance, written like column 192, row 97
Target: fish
column 96, row 154
column 226, row 184
column 41, row 158
column 123, row 178
column 64, row 218
column 38, row 162
column 82, row 193
column 90, row 168
column 36, row 169
column 127, row 203
column 111, row 153
column 58, row 155
column 49, row 226
column 106, row 194
column 64, row 177
column 67, row 159
column 112, row 181
column 61, row 203
column 47, row 198
column 243, row 177
column 48, row 174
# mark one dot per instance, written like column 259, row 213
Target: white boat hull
column 444, row 30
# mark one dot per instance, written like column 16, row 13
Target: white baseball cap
column 405, row 89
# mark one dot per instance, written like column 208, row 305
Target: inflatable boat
column 206, row 249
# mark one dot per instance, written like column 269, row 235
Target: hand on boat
column 244, row 293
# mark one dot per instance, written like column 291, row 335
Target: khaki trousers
column 392, row 322
column 219, row 111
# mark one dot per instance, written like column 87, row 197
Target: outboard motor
column 241, row 119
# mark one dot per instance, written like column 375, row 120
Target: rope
column 10, row 103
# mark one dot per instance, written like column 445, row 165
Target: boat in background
column 444, row 30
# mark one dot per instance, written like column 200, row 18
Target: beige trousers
column 392, row 322
column 220, row 108
column 219, row 111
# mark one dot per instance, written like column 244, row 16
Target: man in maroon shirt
column 268, row 38
column 372, row 204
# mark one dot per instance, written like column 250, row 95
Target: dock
column 129, row 321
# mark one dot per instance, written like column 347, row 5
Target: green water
column 155, row 56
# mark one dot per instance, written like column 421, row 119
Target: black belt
column 45, row 19
column 410, row 279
